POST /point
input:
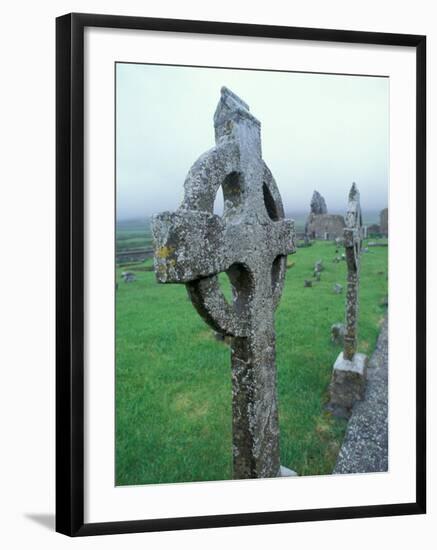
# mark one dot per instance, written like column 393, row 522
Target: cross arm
column 188, row 245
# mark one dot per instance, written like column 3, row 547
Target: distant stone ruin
column 320, row 224
column 318, row 204
column 373, row 230
column 383, row 222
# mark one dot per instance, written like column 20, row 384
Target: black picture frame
column 70, row 272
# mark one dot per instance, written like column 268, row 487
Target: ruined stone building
column 320, row 224
column 383, row 222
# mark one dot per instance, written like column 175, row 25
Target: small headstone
column 318, row 266
column 365, row 249
column 343, row 257
column 337, row 333
column 336, row 259
column 128, row 277
column 307, row 283
column 318, row 276
column 337, row 288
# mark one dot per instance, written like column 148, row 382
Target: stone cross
column 249, row 242
column 353, row 240
column 349, row 372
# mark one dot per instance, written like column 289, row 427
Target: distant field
column 133, row 234
column 173, row 380
column 136, row 233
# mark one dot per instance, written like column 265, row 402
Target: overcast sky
column 318, row 132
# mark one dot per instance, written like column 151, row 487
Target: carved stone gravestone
column 349, row 372
column 250, row 242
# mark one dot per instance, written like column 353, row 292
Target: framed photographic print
column 240, row 274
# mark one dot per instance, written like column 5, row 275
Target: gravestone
column 337, row 288
column 250, row 242
column 318, row 266
column 128, row 277
column 349, row 372
column 337, row 333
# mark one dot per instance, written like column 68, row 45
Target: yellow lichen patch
column 164, row 252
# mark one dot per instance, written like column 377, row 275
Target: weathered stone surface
column 349, row 372
column 383, row 222
column 353, row 239
column 348, row 384
column 318, row 204
column 307, row 283
column 337, row 288
column 337, row 333
column 365, row 446
column 318, row 276
column 250, row 242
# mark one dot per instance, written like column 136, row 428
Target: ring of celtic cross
column 249, row 242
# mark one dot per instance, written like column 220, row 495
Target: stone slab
column 365, row 446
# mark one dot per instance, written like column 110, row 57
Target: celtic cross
column 249, row 242
column 353, row 238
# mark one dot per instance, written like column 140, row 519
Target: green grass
column 173, row 380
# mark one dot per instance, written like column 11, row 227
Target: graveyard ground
column 173, row 383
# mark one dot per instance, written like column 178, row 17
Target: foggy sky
column 318, row 132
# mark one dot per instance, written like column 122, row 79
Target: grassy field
column 173, row 381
